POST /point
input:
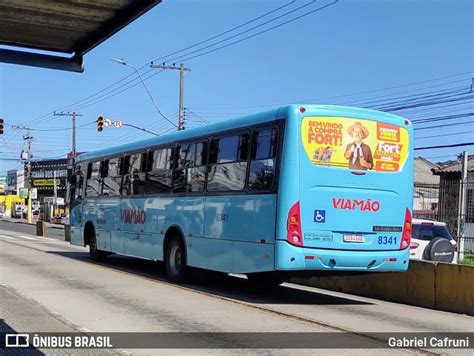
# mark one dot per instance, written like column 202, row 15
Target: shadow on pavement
column 218, row 284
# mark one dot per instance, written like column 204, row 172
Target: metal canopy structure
column 69, row 28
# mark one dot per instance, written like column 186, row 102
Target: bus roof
column 253, row 119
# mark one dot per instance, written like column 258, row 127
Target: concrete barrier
column 421, row 286
column 455, row 288
column 67, row 232
column 431, row 285
column 41, row 228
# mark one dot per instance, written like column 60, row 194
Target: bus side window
column 228, row 163
column 80, row 181
column 134, row 178
column 111, row 177
column 159, row 177
column 190, row 171
column 93, row 185
column 263, row 159
column 79, row 192
column 197, row 174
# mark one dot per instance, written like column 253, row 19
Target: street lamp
column 121, row 61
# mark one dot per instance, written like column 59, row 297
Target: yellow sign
column 354, row 143
column 45, row 182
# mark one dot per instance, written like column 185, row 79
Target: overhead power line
column 352, row 94
column 445, row 134
column 224, row 33
column 61, row 129
column 419, row 97
column 380, row 98
column 9, row 159
column 179, row 58
column 453, row 155
column 126, row 85
column 445, row 146
column 444, row 125
column 426, row 103
column 92, row 97
column 442, row 118
column 255, row 34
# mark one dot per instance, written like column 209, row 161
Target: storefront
column 49, row 178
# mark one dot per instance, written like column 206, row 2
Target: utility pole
column 73, row 115
column 55, row 199
column 462, row 206
column 29, row 139
column 121, row 61
column 181, row 69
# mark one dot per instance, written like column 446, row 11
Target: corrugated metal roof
column 73, row 27
column 457, row 167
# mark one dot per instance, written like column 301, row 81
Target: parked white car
column 431, row 241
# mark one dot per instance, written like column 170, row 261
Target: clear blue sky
column 350, row 47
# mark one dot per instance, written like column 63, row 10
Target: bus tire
column 265, row 279
column 175, row 260
column 94, row 252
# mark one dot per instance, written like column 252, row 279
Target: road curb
column 50, row 226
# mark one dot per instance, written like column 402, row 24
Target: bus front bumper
column 293, row 258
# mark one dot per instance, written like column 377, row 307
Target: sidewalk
column 21, row 314
column 24, row 221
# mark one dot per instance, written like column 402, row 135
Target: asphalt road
column 125, row 294
column 29, row 229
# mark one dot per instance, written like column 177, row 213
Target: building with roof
column 450, row 184
column 426, row 190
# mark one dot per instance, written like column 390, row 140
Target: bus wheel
column 265, row 279
column 95, row 253
column 175, row 260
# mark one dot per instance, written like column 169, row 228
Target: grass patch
column 468, row 259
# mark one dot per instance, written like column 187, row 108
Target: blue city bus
column 298, row 188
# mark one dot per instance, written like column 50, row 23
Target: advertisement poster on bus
column 355, row 143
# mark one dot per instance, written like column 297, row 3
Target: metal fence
column 444, row 201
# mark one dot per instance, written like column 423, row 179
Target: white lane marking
column 7, row 237
column 28, row 238
column 48, row 238
column 39, row 239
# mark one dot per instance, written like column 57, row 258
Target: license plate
column 353, row 238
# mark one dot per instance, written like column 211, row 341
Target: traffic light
column 1, row 126
column 100, row 123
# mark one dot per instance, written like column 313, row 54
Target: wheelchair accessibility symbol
column 320, row 216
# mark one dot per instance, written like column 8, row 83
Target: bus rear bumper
column 293, row 258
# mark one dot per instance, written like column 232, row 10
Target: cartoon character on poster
column 357, row 152
column 318, row 154
column 327, row 154
column 323, row 155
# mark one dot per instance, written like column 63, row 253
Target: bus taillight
column 406, row 232
column 293, row 226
